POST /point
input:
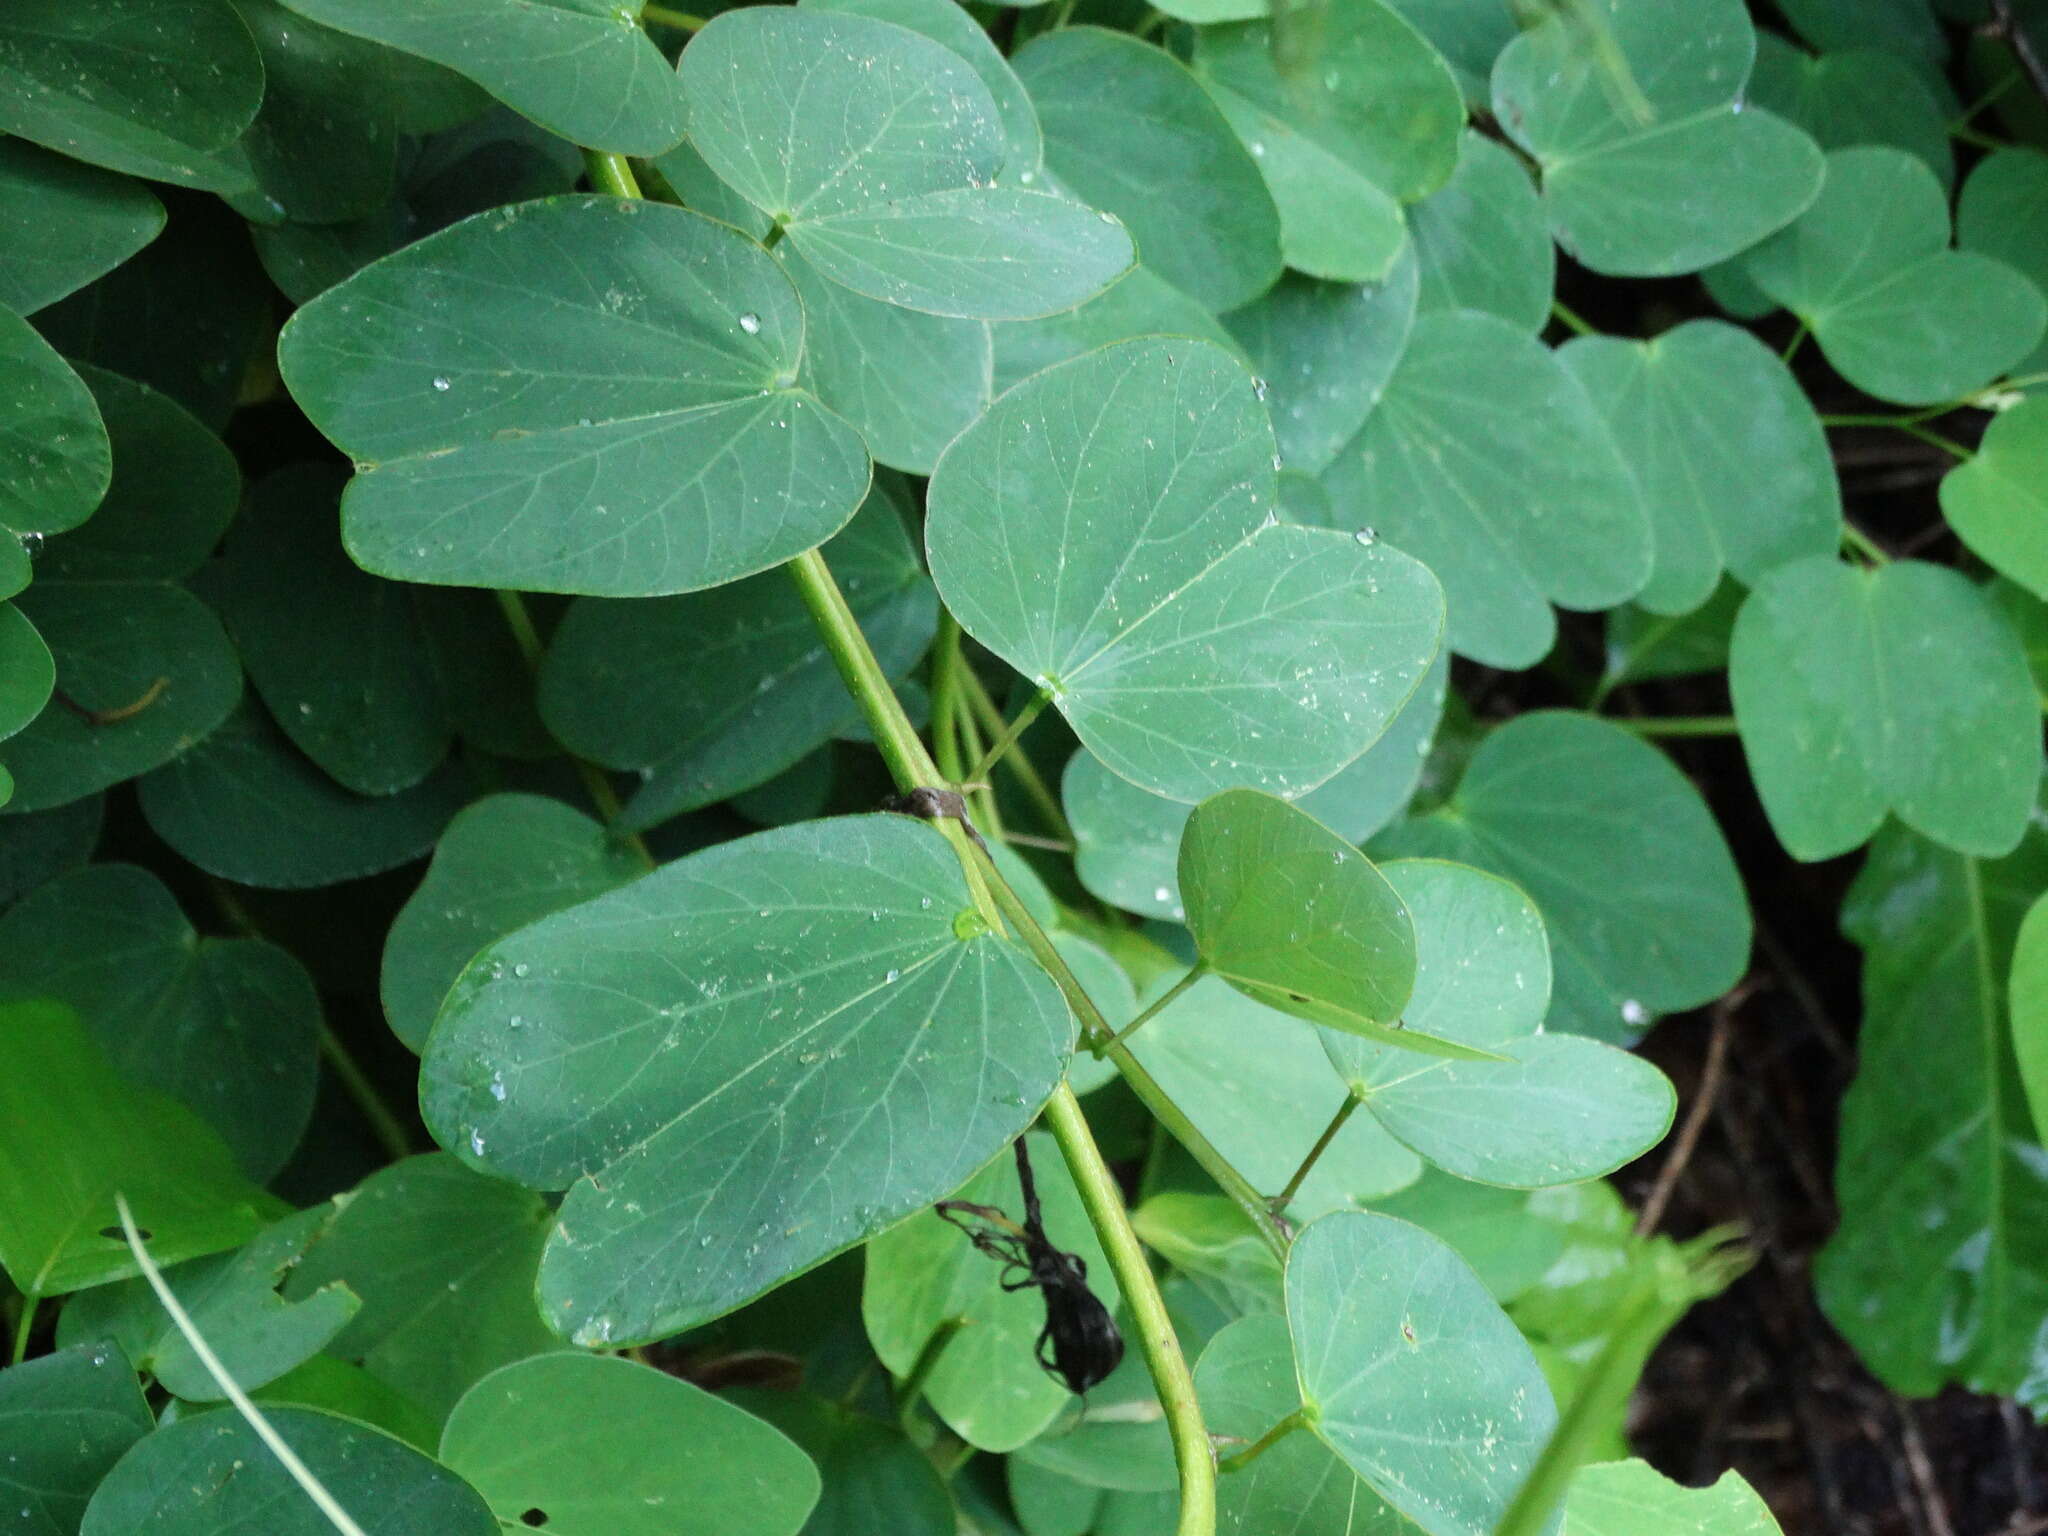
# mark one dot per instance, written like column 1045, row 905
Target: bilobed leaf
column 1481, row 241
column 1907, row 28
column 1325, row 352
column 227, row 1026
column 151, row 87
column 233, row 1303
column 1669, row 172
column 1486, row 460
column 579, row 68
column 66, row 1419
column 1640, row 897
column 211, row 1473
column 893, row 1045
column 1860, row 95
column 64, row 223
column 1997, row 501
column 987, row 1385
column 1731, row 459
column 2003, row 213
column 1343, row 138
column 1415, row 1376
column 603, row 1446
column 444, row 1262
column 1899, row 315
column 55, row 463
column 1938, row 1272
column 1632, row 1498
column 244, row 805
column 1131, row 131
column 1896, row 690
column 876, row 149
column 1140, row 303
column 1110, row 529
column 498, row 451
column 78, row 1132
column 502, row 862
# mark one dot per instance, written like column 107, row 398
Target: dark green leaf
column 64, row 224
column 54, row 460
column 324, row 146
column 873, row 1479
column 65, row 1419
column 40, row 845
column 27, row 674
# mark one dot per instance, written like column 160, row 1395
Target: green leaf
column 1119, row 1443
column 1140, row 303
column 1413, row 1373
column 229, row 1027
column 1325, row 352
column 1859, row 96
column 611, row 691
column 1370, row 122
column 1468, row 33
column 495, row 451
column 352, row 1392
column 1643, row 645
column 892, row 1046
column 1632, row 1498
column 1159, row 453
column 1644, row 908
column 1938, row 1272
column 1481, row 241
column 1486, row 460
column 314, row 80
column 873, row 1478
column 55, row 463
column 152, row 87
column 1733, row 466
column 1898, row 314
column 233, row 1302
column 602, row 1446
column 1131, row 131
column 27, row 674
column 1257, row 1084
column 211, row 1473
column 244, row 805
column 1506, row 1235
column 503, row 862
column 889, row 145
column 65, row 224
column 1903, row 27
column 1900, row 689
column 339, row 657
column 1247, row 1384
column 987, row 1385
column 444, row 1263
column 2029, row 997
column 1997, row 501
column 66, row 1419
column 2003, row 214
column 1211, row 1241
column 77, row 1131
column 1671, row 173
column 580, row 68
column 41, row 845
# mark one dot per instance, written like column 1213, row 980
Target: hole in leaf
column 534, row 1517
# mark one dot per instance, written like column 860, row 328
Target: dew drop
column 1367, row 536
column 441, row 381
column 750, row 323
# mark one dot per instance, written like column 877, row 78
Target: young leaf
column 227, row 1026
column 1131, row 131
column 65, row 224
column 1632, row 1498
column 590, row 1445
column 1109, row 528
column 497, row 451
column 77, row 1133
column 1997, row 502
column 503, row 862
column 151, row 87
column 1412, row 1373
column 1727, row 450
column 1900, row 690
column 876, row 150
column 1898, row 314
column 55, row 463
column 1481, row 241
column 1486, row 460
column 1938, row 1272
column 66, row 1419
column 1675, row 179
column 892, row 1045
column 1644, row 908
column 580, row 69
column 208, row 1474
column 444, row 1263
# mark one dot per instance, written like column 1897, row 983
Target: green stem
column 1315, row 1153
column 1157, row 1006
column 948, row 696
column 1272, row 1437
column 2011, row 79
column 388, row 1128
column 610, row 173
column 1560, row 311
column 912, row 1390
column 23, row 1326
column 1033, row 783
column 1791, row 351
column 1009, row 737
column 1678, row 725
column 1864, row 545
column 680, row 21
column 1910, row 425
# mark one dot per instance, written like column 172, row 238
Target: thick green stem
column 1315, row 1153
column 1157, row 1006
column 948, row 696
column 1272, row 1437
column 680, row 21
column 610, row 173
column 1677, row 725
column 24, row 1325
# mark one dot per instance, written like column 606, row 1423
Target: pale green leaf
column 2003, row 213
column 1481, row 241
column 1861, row 95
column 1997, row 502
column 1632, row 1498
